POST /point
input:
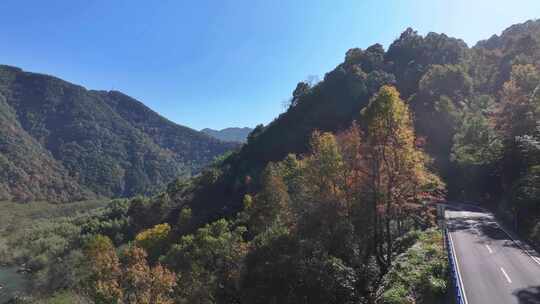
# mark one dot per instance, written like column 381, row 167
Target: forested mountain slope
column 323, row 204
column 27, row 170
column 334, row 103
column 475, row 112
column 191, row 148
column 62, row 142
column 453, row 90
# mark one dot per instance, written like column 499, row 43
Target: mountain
column 229, row 134
column 323, row 204
column 458, row 96
column 455, row 94
column 441, row 78
column 62, row 142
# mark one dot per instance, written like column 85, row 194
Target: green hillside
column 89, row 143
column 332, row 202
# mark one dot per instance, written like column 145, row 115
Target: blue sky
column 217, row 64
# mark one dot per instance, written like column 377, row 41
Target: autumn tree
column 353, row 170
column 142, row 284
column 517, row 115
column 271, row 204
column 519, row 107
column 398, row 179
column 324, row 166
column 128, row 279
column 350, row 197
column 324, row 212
column 103, row 284
column 154, row 240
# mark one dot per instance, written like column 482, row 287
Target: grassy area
column 18, row 221
column 19, row 215
column 419, row 275
column 36, row 234
column 64, row 297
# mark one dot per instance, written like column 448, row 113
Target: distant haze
column 229, row 134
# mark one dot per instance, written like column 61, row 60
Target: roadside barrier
column 454, row 270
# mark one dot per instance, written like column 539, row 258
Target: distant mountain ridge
column 62, row 142
column 229, row 134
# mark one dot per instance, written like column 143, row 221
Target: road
column 494, row 269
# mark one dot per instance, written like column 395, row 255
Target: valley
column 336, row 200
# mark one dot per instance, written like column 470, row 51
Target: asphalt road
column 494, row 268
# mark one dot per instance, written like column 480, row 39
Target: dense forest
column 330, row 202
column 61, row 142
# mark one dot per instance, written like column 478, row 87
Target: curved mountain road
column 494, row 265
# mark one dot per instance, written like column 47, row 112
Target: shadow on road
column 486, row 229
column 481, row 227
column 464, row 207
column 530, row 295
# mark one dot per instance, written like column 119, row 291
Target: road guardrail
column 454, row 270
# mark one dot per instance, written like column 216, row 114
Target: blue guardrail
column 458, row 289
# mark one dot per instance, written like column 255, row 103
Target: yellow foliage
column 144, row 284
column 104, row 268
column 325, row 165
column 153, row 239
column 391, row 137
column 160, row 231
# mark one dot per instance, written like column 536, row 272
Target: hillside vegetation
column 322, row 204
column 61, row 142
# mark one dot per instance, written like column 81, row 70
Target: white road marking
column 457, row 267
column 506, row 275
column 535, row 259
column 489, row 248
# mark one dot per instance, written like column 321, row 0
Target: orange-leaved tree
column 395, row 169
column 103, row 284
column 143, row 284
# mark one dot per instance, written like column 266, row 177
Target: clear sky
column 221, row 63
